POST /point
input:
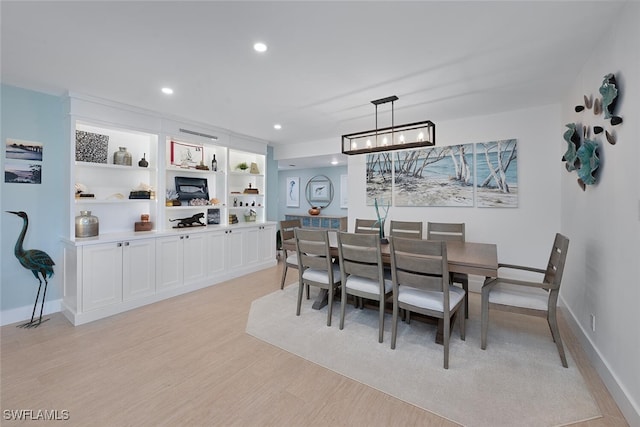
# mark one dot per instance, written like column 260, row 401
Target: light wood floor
column 188, row 361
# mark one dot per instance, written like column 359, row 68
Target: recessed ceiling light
column 277, row 126
column 260, row 47
column 167, row 90
column 334, row 162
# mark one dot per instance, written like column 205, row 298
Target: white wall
column 602, row 275
column 524, row 234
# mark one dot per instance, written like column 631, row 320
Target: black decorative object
column 143, row 163
column 597, row 130
column 579, row 108
column 616, row 120
column 191, row 221
column 40, row 264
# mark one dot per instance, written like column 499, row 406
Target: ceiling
column 325, row 60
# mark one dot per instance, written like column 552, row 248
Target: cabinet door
column 235, row 249
column 252, row 246
column 216, row 260
column 194, row 257
column 169, row 255
column 101, row 275
column 138, row 269
column 267, row 243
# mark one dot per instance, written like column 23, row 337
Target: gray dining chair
column 367, row 226
column 407, row 229
column 536, row 298
column 447, row 231
column 420, row 278
column 363, row 273
column 315, row 266
column 290, row 257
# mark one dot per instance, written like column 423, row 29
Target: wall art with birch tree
column 378, row 177
column 497, row 174
column 435, row 176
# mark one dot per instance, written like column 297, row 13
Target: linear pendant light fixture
column 402, row 137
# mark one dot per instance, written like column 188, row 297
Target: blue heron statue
column 38, row 262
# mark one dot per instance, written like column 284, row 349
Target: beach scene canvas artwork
column 22, row 173
column 379, row 168
column 435, row 176
column 497, row 174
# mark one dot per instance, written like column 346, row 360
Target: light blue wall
column 305, row 175
column 33, row 116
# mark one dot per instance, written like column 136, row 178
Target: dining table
column 463, row 257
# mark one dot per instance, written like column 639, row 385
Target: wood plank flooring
column 187, row 361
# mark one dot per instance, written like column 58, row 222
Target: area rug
column 517, row 380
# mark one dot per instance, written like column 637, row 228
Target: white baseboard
column 20, row 314
column 629, row 408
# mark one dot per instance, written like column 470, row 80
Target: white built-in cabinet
column 122, row 269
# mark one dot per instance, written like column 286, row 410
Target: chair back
column 286, row 228
column 445, row 231
column 406, row 229
column 360, row 255
column 420, row 264
column 367, row 226
column 555, row 266
column 312, row 248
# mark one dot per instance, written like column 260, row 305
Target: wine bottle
column 214, row 164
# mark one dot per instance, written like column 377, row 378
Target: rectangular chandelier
column 401, row 137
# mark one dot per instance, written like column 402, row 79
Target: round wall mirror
column 319, row 191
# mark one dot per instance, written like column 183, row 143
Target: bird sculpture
column 38, row 262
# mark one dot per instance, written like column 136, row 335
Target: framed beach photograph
column 22, row 173
column 292, row 191
column 23, row 150
column 186, row 155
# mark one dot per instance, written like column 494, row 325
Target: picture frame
column 213, row 216
column 191, row 188
column 185, row 155
column 344, row 191
column 23, row 150
column 292, row 191
column 319, row 191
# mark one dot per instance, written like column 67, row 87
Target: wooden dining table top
column 462, row 257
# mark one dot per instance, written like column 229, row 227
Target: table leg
column 321, row 300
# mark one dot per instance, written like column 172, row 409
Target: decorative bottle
column 143, row 163
column 122, row 157
column 87, row 225
column 214, row 164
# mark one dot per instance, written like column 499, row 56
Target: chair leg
column 445, row 339
column 381, row 320
column 555, row 334
column 484, row 317
column 394, row 325
column 284, row 274
column 330, row 308
column 343, row 303
column 462, row 321
column 465, row 286
column 300, row 290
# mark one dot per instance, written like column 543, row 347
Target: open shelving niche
column 240, row 202
column 216, row 180
column 111, row 183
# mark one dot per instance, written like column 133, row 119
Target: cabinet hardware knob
column 186, row 237
column 119, row 244
column 126, row 243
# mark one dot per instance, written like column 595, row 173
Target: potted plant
column 172, row 198
column 242, row 166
